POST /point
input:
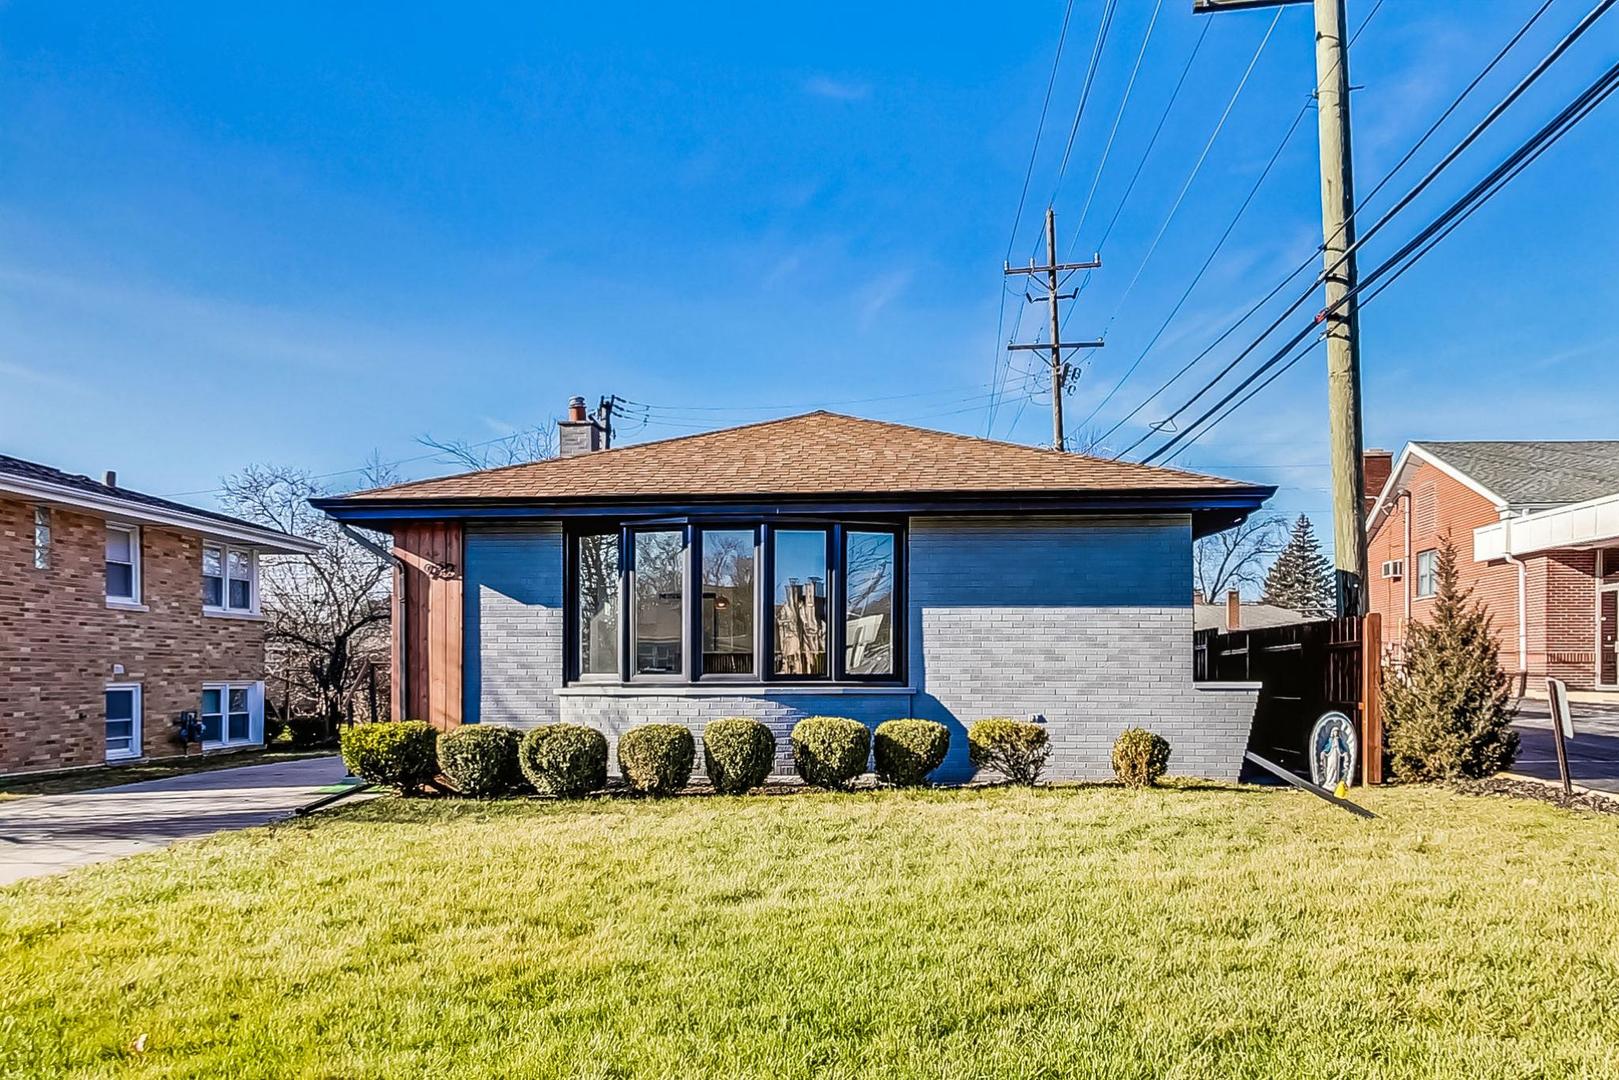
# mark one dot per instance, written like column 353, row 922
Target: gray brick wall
column 513, row 619
column 1084, row 624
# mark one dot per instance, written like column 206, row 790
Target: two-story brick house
column 1536, row 531
column 120, row 611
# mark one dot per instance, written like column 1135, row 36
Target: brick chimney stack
column 1377, row 465
column 1233, row 610
column 579, row 433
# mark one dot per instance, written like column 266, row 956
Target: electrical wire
column 1118, row 119
column 1084, row 94
column 1413, row 250
column 1422, row 185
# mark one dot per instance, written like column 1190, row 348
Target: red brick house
column 120, row 611
column 1536, row 530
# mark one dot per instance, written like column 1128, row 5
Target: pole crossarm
column 1094, row 264
column 1043, row 346
column 1209, row 7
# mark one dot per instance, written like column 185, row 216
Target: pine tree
column 1301, row 578
column 1448, row 713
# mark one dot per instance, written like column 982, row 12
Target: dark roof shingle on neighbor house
column 1536, row 472
column 817, row 454
column 33, row 472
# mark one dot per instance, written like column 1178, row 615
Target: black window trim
column 764, row 676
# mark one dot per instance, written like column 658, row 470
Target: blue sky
column 306, row 232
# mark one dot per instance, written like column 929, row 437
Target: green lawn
column 1188, row 932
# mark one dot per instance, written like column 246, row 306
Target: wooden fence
column 1304, row 670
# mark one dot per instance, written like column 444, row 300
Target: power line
column 1413, row 250
column 1208, row 262
column 1023, row 196
column 1084, row 93
column 1422, row 185
column 1118, row 119
column 1191, row 177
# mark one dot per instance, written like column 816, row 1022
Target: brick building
column 1536, row 531
column 817, row 564
column 118, row 612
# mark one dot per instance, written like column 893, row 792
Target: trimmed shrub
column 480, row 760
column 397, row 754
column 1016, row 749
column 830, row 751
column 565, row 760
column 906, row 751
column 656, row 759
column 1140, row 757
column 738, row 753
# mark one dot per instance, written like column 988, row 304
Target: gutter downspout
column 1405, row 561
column 1523, row 604
column 402, row 691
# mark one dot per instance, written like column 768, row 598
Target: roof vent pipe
column 111, row 479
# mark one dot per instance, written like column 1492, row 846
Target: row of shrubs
column 569, row 760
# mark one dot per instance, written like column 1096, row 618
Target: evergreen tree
column 1301, row 578
column 1448, row 713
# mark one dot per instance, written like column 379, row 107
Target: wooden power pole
column 1343, row 324
column 1052, row 272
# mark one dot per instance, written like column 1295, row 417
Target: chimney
column 1375, row 467
column 111, row 479
column 578, row 434
column 1197, row 596
column 1233, row 610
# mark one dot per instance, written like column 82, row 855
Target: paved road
column 1593, row 755
column 46, row 834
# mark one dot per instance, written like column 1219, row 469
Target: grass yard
column 1188, row 932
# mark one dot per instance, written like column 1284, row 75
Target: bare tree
column 327, row 612
column 1238, row 557
column 535, row 444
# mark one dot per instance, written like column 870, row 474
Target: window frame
column 42, row 537
column 1432, row 555
column 764, row 528
column 225, row 551
column 134, row 532
column 137, row 723
column 255, row 713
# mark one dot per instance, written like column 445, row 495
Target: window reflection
column 800, row 601
column 728, row 601
column 658, row 602
column 868, row 628
column 597, row 579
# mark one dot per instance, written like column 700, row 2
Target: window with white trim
column 123, row 564
column 123, row 711
column 232, row 714
column 1427, row 573
column 229, row 579
column 42, row 538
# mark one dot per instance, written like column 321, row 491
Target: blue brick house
column 817, row 565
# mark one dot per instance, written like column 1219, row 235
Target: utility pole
column 1343, row 322
column 1052, row 272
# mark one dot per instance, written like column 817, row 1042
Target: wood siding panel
column 431, row 608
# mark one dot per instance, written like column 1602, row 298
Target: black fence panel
column 1305, row 669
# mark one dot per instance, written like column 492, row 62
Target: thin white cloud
column 882, row 292
column 825, row 86
column 24, row 373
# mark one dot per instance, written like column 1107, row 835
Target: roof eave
column 1220, row 502
column 269, row 541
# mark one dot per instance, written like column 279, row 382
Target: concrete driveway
column 46, row 834
column 1593, row 754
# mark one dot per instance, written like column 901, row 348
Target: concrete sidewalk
column 47, row 834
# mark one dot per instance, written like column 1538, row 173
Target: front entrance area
column 1608, row 637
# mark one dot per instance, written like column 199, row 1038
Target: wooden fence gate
column 1304, row 670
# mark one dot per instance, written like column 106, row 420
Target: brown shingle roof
column 818, row 453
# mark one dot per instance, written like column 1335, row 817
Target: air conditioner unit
column 1394, row 568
